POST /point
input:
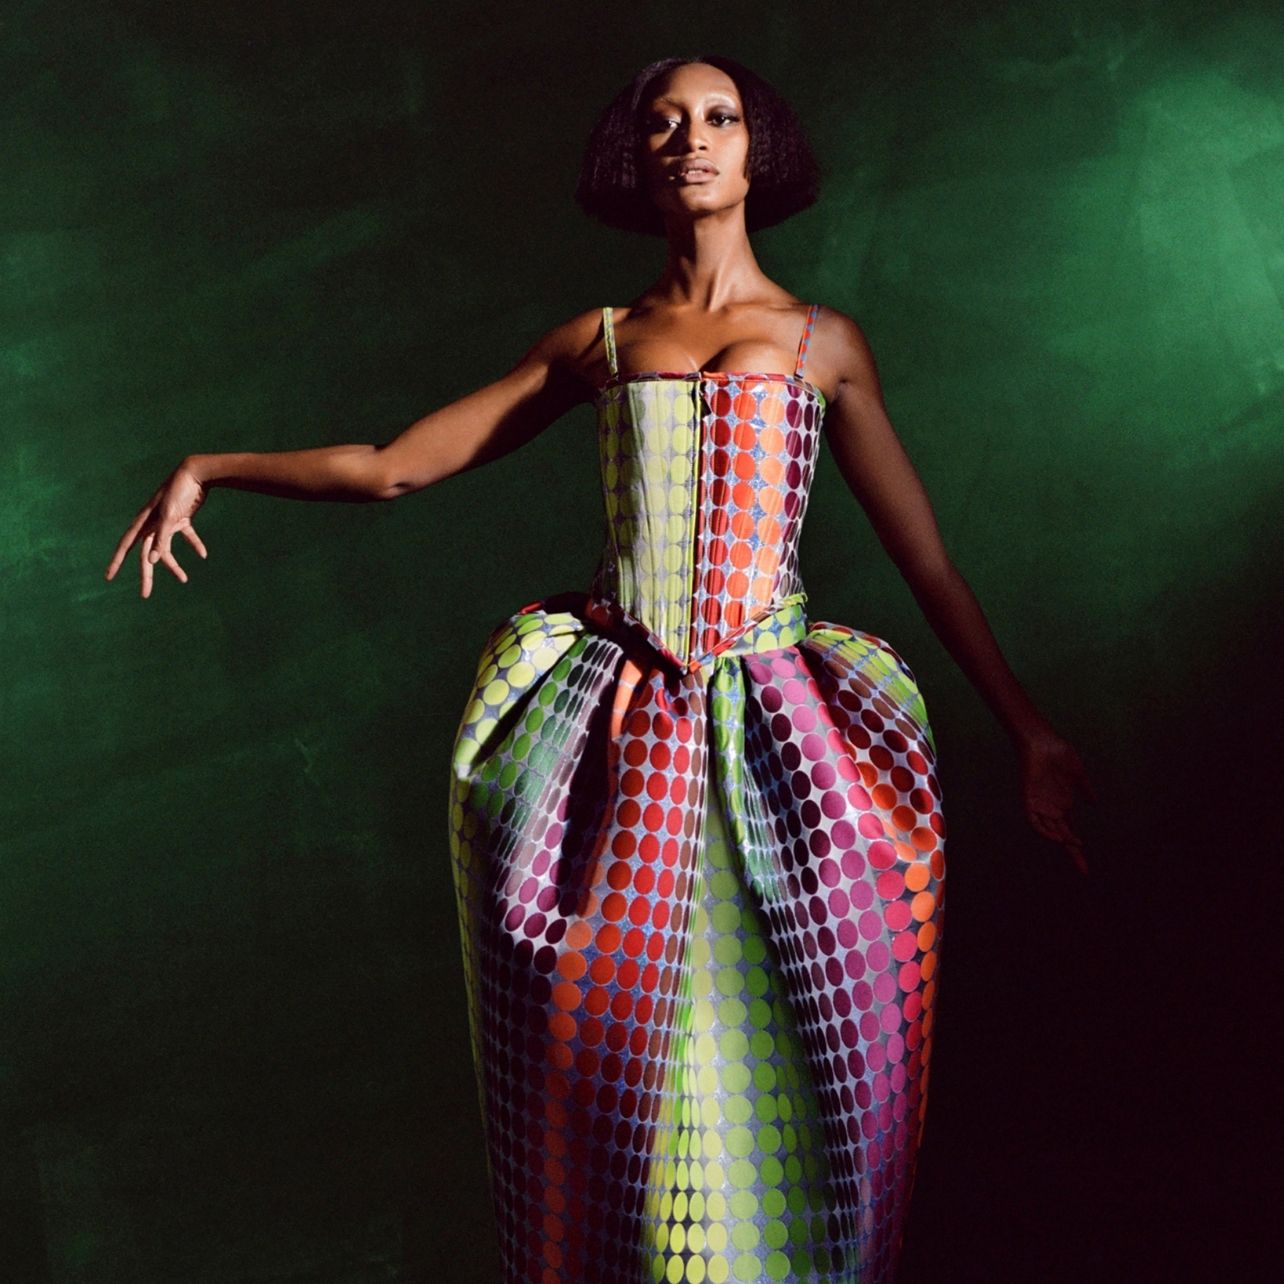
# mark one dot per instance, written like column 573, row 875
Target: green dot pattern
column 697, row 847
column 739, row 1178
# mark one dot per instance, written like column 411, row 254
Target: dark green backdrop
column 232, row 1035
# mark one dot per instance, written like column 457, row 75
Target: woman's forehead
column 693, row 81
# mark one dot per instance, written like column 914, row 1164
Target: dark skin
column 712, row 308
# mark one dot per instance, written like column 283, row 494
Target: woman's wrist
column 1026, row 726
column 202, row 467
column 1031, row 735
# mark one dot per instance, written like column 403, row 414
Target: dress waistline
column 783, row 624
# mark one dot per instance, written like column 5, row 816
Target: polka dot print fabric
column 699, row 864
column 705, row 478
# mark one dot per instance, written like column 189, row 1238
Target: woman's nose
column 692, row 134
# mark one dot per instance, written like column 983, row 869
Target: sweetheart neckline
column 618, row 379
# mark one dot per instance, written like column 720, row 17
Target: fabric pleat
column 698, row 855
column 700, row 914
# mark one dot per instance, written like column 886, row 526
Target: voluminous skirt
column 701, row 917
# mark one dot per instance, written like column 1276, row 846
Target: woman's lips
column 697, row 175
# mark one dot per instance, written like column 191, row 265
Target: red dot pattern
column 844, row 766
column 574, row 899
column 698, row 852
column 575, row 878
column 758, row 455
column 705, row 480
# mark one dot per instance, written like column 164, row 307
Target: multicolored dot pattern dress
column 698, row 851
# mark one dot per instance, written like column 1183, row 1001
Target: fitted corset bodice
column 705, row 477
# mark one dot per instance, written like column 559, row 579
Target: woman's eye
column 664, row 122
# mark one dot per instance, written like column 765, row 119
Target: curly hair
column 784, row 176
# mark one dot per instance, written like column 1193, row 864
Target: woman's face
column 695, row 146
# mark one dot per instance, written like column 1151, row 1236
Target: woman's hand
column 1051, row 772
column 169, row 511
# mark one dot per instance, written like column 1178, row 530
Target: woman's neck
column 710, row 264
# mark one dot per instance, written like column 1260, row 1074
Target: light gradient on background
column 233, row 1042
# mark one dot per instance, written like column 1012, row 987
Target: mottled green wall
column 232, row 1041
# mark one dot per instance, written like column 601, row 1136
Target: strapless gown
column 698, row 851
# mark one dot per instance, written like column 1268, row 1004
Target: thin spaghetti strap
column 608, row 333
column 808, row 326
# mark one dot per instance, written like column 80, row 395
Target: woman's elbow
column 392, row 475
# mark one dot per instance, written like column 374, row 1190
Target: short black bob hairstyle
column 784, row 176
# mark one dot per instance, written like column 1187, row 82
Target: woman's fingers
column 189, row 533
column 167, row 556
column 1053, row 776
column 169, row 510
column 161, row 542
column 169, row 525
column 144, row 549
column 154, row 551
column 162, row 549
column 131, row 534
column 1056, row 828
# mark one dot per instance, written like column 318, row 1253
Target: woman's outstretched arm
column 476, row 428
column 879, row 472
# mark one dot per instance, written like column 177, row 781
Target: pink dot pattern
column 699, row 866
column 705, row 480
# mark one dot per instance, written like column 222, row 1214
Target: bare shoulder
column 569, row 347
column 840, row 356
column 572, row 335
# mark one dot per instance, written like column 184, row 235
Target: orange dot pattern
column 705, row 480
column 757, row 457
column 701, row 908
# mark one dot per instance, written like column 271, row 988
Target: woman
column 697, row 839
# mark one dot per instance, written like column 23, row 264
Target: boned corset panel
column 705, row 478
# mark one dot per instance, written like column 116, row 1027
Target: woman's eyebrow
column 716, row 100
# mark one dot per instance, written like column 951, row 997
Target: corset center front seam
column 698, row 484
column 704, row 483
